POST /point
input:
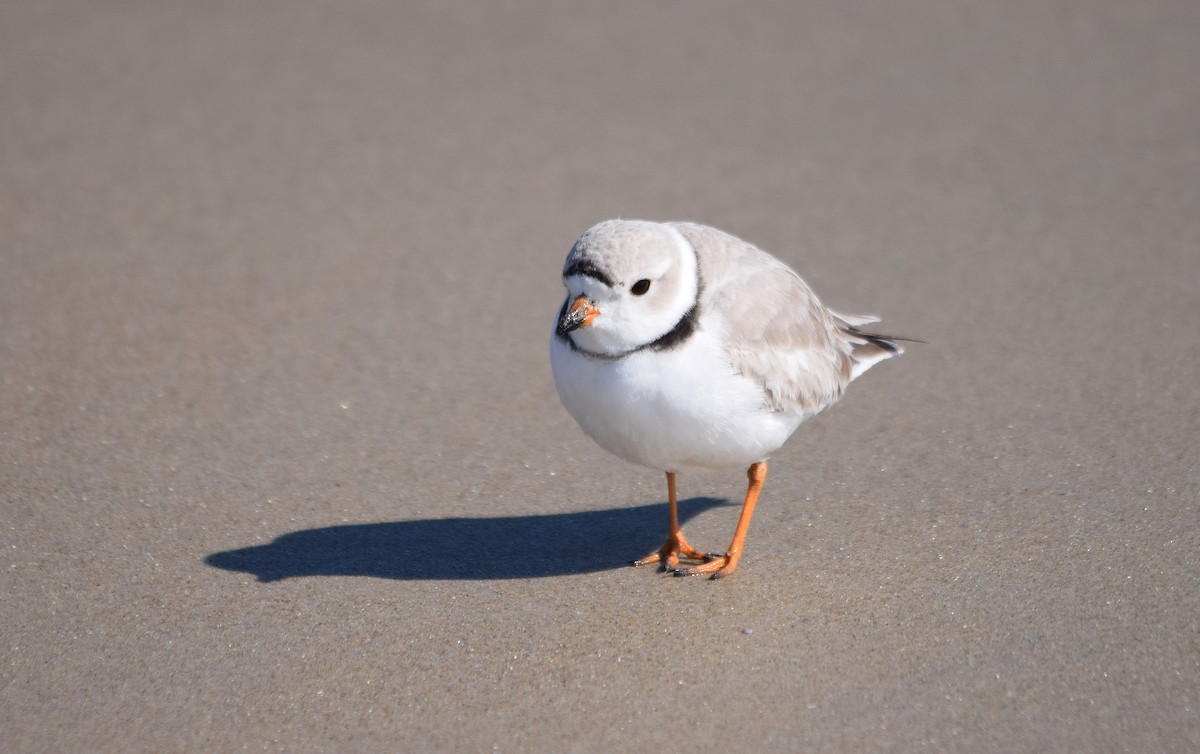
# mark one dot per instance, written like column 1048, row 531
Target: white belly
column 670, row 410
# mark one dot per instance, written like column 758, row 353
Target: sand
column 282, row 466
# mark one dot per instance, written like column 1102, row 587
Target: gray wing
column 779, row 334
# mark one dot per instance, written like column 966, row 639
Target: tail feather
column 854, row 320
column 868, row 349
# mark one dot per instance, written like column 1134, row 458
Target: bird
column 681, row 347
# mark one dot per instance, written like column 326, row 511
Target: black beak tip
column 570, row 321
column 565, row 327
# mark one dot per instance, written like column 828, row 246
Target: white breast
column 671, row 410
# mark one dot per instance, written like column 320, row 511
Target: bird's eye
column 640, row 287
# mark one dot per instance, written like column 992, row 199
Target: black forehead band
column 585, row 267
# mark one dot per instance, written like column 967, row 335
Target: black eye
column 640, row 287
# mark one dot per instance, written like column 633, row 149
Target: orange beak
column 579, row 314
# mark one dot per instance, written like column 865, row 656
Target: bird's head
column 629, row 283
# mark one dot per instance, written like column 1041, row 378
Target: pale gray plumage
column 772, row 329
column 802, row 353
column 777, row 332
column 680, row 346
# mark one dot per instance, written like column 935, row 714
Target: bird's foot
column 716, row 566
column 673, row 552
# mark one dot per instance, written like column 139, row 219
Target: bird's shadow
column 510, row 547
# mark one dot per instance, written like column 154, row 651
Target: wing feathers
column 778, row 332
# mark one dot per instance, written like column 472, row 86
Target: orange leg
column 676, row 546
column 724, row 565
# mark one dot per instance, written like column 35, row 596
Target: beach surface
column 282, row 464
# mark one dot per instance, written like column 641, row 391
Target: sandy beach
column 282, row 464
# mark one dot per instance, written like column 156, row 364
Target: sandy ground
column 283, row 467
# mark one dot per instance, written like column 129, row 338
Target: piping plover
column 680, row 347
